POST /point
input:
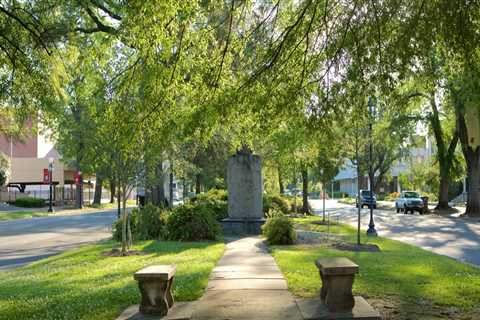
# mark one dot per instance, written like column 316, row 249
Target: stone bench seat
column 337, row 276
column 155, row 284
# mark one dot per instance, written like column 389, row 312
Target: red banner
column 46, row 176
column 78, row 177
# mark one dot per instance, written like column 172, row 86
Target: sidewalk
column 247, row 284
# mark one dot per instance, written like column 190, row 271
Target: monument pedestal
column 237, row 226
column 245, row 194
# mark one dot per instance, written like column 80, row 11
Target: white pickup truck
column 410, row 201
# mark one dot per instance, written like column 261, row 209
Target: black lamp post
column 50, row 178
column 371, row 225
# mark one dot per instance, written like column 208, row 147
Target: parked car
column 410, row 201
column 366, row 199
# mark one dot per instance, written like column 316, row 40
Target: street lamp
column 371, row 108
column 50, row 176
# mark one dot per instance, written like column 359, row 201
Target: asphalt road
column 27, row 240
column 457, row 238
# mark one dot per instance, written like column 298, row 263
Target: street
column 27, row 240
column 453, row 237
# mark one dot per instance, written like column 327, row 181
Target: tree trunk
column 469, row 138
column 305, row 208
column 118, row 202
column 170, row 189
column 197, row 184
column 443, row 190
column 97, row 197
column 159, row 188
column 280, row 181
column 124, row 225
column 473, row 169
column 129, row 228
column 112, row 192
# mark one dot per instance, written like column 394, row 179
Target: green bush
column 27, row 202
column 278, row 229
column 150, row 222
column 297, row 202
column 118, row 225
column 147, row 223
column 392, row 196
column 192, row 223
column 216, row 200
column 337, row 194
column 275, row 202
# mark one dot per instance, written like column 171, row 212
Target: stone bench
column 155, row 284
column 337, row 276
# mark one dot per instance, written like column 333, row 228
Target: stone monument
column 245, row 194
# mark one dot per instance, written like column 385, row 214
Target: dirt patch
column 115, row 252
column 393, row 308
column 354, row 247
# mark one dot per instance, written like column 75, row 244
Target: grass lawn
column 12, row 215
column 84, row 284
column 351, row 201
column 401, row 281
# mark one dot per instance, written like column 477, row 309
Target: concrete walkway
column 247, row 284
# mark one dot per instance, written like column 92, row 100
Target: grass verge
column 13, row 215
column 84, row 284
column 402, row 281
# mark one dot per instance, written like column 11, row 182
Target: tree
column 4, row 169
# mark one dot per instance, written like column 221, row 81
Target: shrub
column 150, row 222
column 118, row 225
column 28, row 202
column 147, row 223
column 192, row 223
column 298, row 203
column 278, row 229
column 337, row 194
column 216, row 200
column 392, row 196
column 214, row 194
column 275, row 202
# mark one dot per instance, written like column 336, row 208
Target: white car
column 410, row 201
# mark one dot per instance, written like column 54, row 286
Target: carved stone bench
column 337, row 276
column 155, row 284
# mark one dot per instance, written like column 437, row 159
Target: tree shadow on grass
column 85, row 285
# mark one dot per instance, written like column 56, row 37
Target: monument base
column 314, row 309
column 234, row 226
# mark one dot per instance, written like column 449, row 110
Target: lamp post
column 50, row 178
column 371, row 108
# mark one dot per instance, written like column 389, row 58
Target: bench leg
column 168, row 293
column 323, row 291
column 154, row 297
column 339, row 297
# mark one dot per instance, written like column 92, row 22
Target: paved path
column 27, row 240
column 247, row 284
column 454, row 237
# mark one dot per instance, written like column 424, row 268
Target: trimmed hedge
column 27, row 202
